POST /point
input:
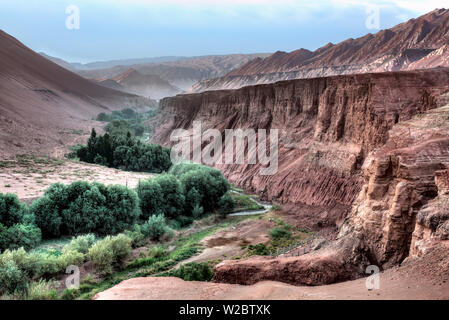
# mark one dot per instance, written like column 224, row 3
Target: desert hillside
column 43, row 106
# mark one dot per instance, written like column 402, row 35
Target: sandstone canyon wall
column 327, row 127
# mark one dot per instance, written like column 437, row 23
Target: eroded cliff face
column 327, row 127
column 403, row 205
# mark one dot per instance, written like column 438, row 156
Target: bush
column 259, row 249
column 12, row 279
column 184, row 221
column 19, row 235
column 136, row 235
column 193, row 272
column 42, row 290
column 110, row 252
column 102, row 256
column 80, row 244
column 70, row 294
column 155, row 228
column 121, row 247
column 277, row 233
column 85, row 208
column 120, row 149
column 226, row 204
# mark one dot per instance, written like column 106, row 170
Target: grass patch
column 153, row 265
column 245, row 203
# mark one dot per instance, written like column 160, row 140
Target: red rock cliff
column 327, row 127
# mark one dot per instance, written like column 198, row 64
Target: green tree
column 172, row 194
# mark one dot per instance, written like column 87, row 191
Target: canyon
column 367, row 153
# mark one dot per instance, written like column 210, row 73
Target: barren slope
column 39, row 100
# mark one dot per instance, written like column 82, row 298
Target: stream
column 266, row 207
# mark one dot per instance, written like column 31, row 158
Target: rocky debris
column 336, row 262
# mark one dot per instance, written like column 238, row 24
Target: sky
column 123, row 29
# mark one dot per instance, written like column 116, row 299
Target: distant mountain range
column 416, row 44
column 111, row 63
column 180, row 72
column 147, row 85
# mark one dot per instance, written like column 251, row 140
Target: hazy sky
column 119, row 29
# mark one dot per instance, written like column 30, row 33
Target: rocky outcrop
column 416, row 44
column 403, row 202
column 327, row 127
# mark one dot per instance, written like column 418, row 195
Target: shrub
column 102, row 256
column 12, row 279
column 277, row 233
column 80, row 244
column 184, row 221
column 155, row 227
column 226, row 204
column 136, row 235
column 110, row 252
column 193, row 272
column 121, row 247
column 42, row 290
column 259, row 249
column 120, row 149
column 70, row 294
column 29, row 263
column 69, row 258
column 19, row 235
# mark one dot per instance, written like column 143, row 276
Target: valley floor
column 29, row 176
column 421, row 278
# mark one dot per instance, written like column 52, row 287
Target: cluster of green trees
column 126, row 120
column 124, row 151
column 186, row 192
column 81, row 208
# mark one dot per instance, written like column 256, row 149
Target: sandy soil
column 29, row 179
column 421, row 278
column 232, row 242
